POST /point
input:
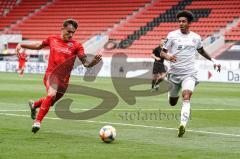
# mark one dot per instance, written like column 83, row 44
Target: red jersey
column 62, row 56
column 22, row 57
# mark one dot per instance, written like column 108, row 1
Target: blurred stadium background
column 132, row 27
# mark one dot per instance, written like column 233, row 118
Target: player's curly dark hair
column 186, row 13
column 70, row 21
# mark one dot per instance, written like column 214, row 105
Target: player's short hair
column 186, row 13
column 70, row 21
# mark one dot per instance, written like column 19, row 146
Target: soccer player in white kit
column 180, row 49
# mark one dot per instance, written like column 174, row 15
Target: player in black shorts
column 159, row 71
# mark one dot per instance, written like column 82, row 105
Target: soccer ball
column 107, row 133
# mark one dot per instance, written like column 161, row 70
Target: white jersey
column 184, row 47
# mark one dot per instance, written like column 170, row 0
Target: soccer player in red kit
column 22, row 59
column 63, row 52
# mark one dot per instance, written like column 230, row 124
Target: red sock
column 44, row 108
column 38, row 103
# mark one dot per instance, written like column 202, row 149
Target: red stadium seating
column 150, row 12
column 233, row 34
column 94, row 17
column 222, row 12
column 6, row 6
column 24, row 8
column 98, row 16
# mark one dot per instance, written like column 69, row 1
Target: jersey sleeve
column 46, row 42
column 168, row 43
column 80, row 51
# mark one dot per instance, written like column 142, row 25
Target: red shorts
column 21, row 65
column 56, row 83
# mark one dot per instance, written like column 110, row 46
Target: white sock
column 185, row 113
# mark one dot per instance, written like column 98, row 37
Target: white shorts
column 186, row 82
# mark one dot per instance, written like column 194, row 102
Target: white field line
column 133, row 125
column 137, row 109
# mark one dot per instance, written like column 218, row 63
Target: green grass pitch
column 213, row 131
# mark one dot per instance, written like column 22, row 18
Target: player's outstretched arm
column 167, row 56
column 207, row 56
column 33, row 46
column 95, row 61
column 204, row 53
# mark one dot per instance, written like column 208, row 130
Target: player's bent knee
column 186, row 94
column 52, row 94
